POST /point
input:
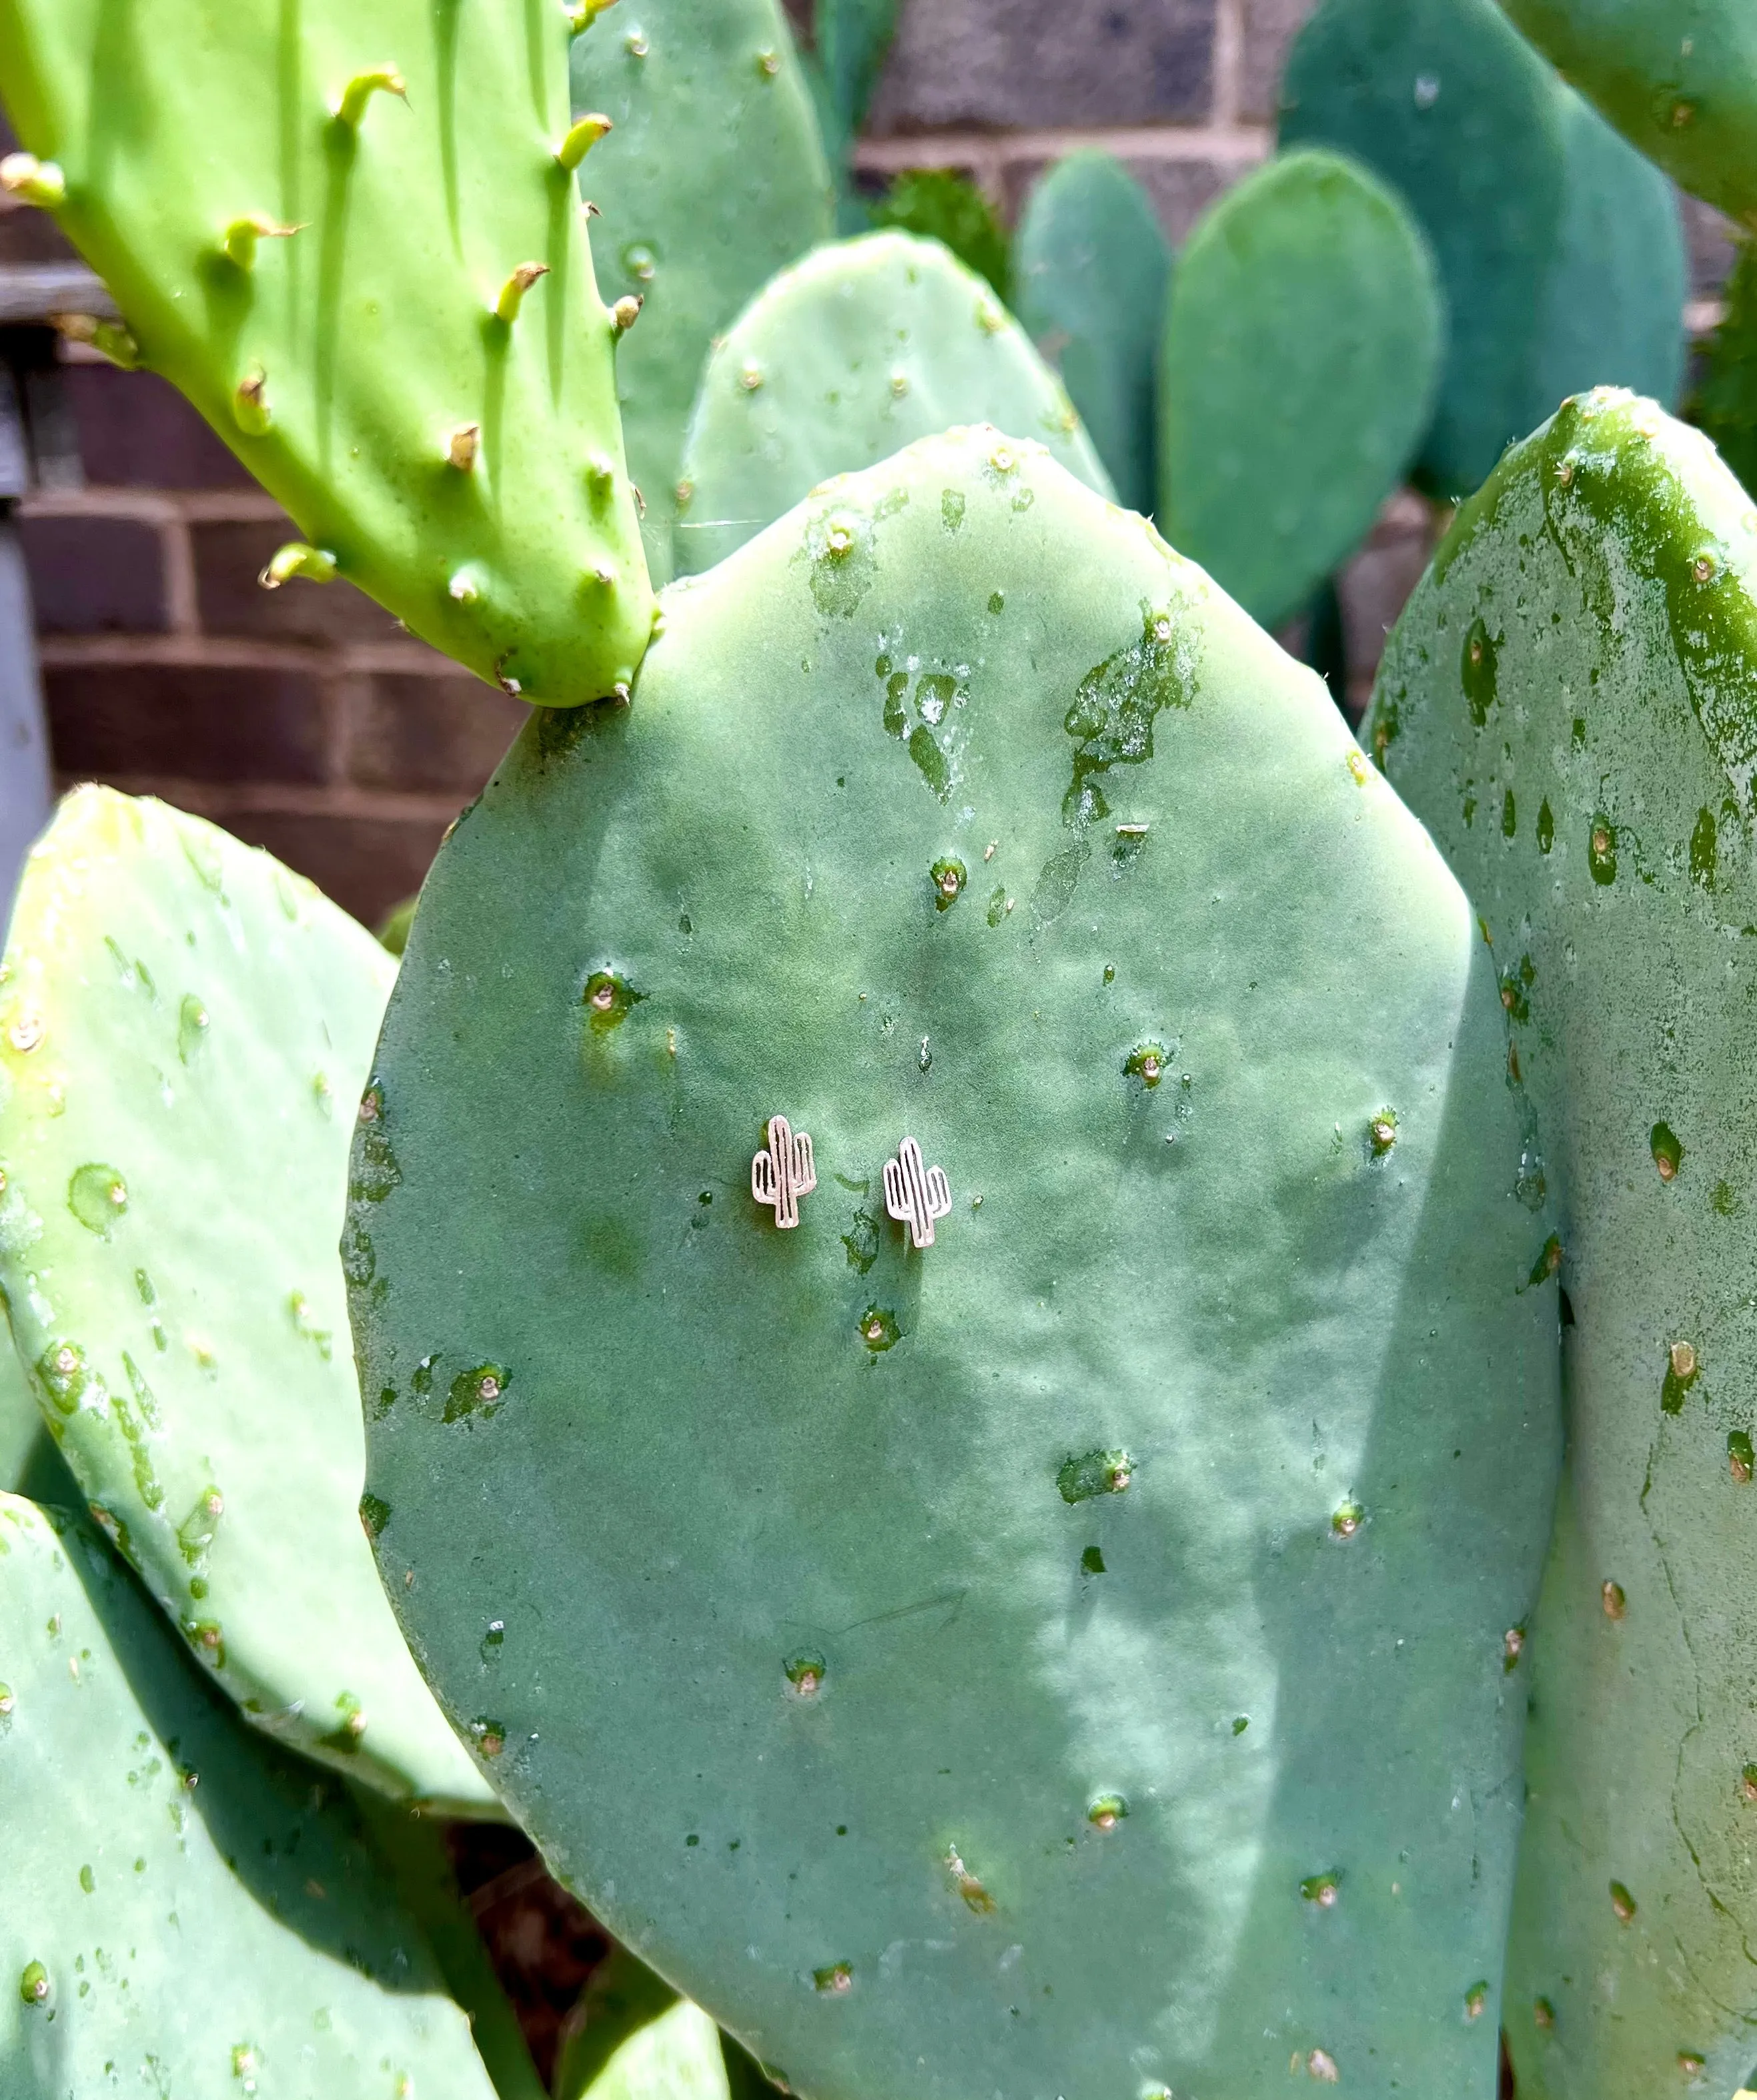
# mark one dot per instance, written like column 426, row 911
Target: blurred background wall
column 303, row 721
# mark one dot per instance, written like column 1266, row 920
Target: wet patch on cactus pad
column 1097, row 1473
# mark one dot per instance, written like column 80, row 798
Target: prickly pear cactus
column 354, row 244
column 185, row 1033
column 849, row 355
column 1302, row 344
column 714, row 178
column 1076, row 1652
column 1679, row 82
column 1725, row 400
column 1090, row 268
column 1570, row 703
column 631, row 2037
column 189, row 1914
column 1560, row 251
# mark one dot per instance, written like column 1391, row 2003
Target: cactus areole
column 944, row 1661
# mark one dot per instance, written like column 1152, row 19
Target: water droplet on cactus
column 1616, row 1604
column 1601, row 852
column 192, row 1027
column 8, row 1700
column 88, row 1880
column 1739, row 1458
column 804, row 1676
column 1348, row 1519
column 1107, row 1811
column 245, row 2063
column 1146, row 1062
column 838, row 543
column 375, row 1515
column 835, row 1982
column 97, row 1196
column 1093, row 1560
column 1477, row 672
column 477, row 1393
column 1545, row 826
column 879, row 1329
column 1668, row 1154
column 609, row 1001
column 640, row 261
column 1382, row 1132
column 1475, row 1998
column 493, row 1641
column 1321, row 1889
column 949, row 878
column 1683, row 1369
column 1622, row 1903
column 34, row 1983
column 62, row 1369
column 198, row 1530
column 1097, row 1473
column 924, row 1057
column 1748, row 1783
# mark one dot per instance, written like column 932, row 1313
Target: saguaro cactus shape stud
column 784, row 1172
column 915, row 1195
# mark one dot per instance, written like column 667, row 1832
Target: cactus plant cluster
column 965, row 1240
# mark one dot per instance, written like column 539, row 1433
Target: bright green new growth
column 1570, row 704
column 1090, row 268
column 1559, row 251
column 851, row 1721
column 1680, row 83
column 854, row 353
column 714, row 178
column 349, row 234
column 631, row 2037
column 189, row 1913
column 185, row 1033
column 1302, row 342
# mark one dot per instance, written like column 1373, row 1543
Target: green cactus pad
column 714, row 180
column 631, row 2038
column 326, row 272
column 1680, row 83
column 1302, row 342
column 845, row 358
column 1570, row 703
column 840, row 1721
column 1725, row 402
column 1090, row 269
column 187, row 1912
column 185, row 1033
column 1560, row 252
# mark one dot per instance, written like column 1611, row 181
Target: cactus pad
column 957, row 807
column 1559, row 251
column 1302, row 343
column 1090, row 268
column 1680, row 83
column 1570, row 703
column 714, row 180
column 845, row 358
column 352, row 239
column 188, row 1914
column 185, row 1033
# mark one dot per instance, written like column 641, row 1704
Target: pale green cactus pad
column 845, row 358
column 631, row 2037
column 714, row 180
column 349, row 233
column 1302, row 344
column 185, row 1028
column 1570, row 704
column 1090, row 267
column 187, row 1913
column 1680, row 82
column 1072, row 1655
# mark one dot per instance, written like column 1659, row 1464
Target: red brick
column 185, row 720
column 137, row 431
column 441, row 734
column 229, row 559
column 95, row 575
column 368, row 864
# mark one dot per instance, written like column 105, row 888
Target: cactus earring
column 915, row 1195
column 783, row 1172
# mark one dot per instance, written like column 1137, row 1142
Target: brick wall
column 303, row 721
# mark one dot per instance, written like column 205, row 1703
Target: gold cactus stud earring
column 784, row 1171
column 915, row 1195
